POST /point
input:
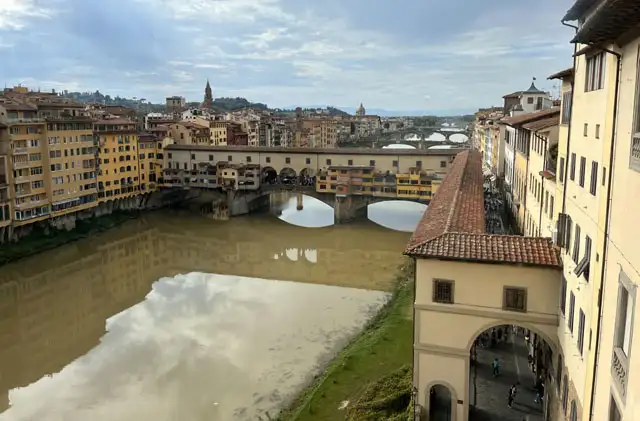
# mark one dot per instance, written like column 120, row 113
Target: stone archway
column 440, row 401
column 268, row 175
column 288, row 175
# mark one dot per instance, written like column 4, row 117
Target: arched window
column 574, row 412
column 565, row 394
column 559, row 371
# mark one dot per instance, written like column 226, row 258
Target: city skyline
column 442, row 56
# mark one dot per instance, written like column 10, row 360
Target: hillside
column 219, row 104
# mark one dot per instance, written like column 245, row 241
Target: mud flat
column 203, row 347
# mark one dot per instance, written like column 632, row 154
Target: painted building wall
column 618, row 363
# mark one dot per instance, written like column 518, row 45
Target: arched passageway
column 288, row 176
column 505, row 358
column 269, row 175
column 440, row 403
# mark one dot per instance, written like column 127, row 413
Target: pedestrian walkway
column 491, row 393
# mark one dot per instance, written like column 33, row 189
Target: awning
column 609, row 21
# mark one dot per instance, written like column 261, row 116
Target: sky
column 429, row 55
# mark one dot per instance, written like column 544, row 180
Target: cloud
column 201, row 347
column 441, row 54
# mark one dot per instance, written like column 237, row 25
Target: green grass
column 382, row 348
column 40, row 240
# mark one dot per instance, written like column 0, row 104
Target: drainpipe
column 607, row 223
column 566, row 155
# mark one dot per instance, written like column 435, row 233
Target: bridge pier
column 349, row 208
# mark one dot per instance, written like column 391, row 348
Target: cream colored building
column 468, row 281
column 601, row 253
column 309, row 160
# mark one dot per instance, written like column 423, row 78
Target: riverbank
column 40, row 240
column 384, row 347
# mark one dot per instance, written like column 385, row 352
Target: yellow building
column 5, row 198
column 521, row 178
column 540, row 212
column 151, row 160
column 119, row 172
column 218, row 132
column 600, row 247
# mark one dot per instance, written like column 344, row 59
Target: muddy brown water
column 176, row 317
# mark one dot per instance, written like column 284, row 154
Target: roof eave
column 485, row 261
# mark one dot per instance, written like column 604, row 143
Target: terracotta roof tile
column 453, row 226
column 543, row 124
column 529, row 117
column 458, row 205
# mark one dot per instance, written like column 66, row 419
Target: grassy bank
column 40, row 240
column 381, row 349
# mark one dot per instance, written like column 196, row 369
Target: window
column 581, row 332
column 593, row 187
column 419, row 164
column 328, row 162
column 530, row 100
column 561, row 170
column 559, row 371
column 576, row 245
column 395, row 163
column 624, row 315
column 563, row 296
column 583, row 168
column 193, row 156
column 350, row 162
column 572, row 170
column 573, row 414
column 268, row 159
column 572, row 309
column 307, row 160
column 442, row 291
column 597, row 131
column 443, row 164
column 372, row 163
column 566, row 107
column 551, row 200
column 287, row 160
column 248, row 159
column 229, row 158
column 585, row 131
column 514, row 299
column 595, row 72
column 604, row 175
column 583, row 265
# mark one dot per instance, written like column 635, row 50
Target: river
column 175, row 317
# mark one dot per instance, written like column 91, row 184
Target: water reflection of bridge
column 53, row 306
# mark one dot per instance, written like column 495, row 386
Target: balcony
column 20, row 151
column 31, row 204
column 619, row 370
column 21, row 164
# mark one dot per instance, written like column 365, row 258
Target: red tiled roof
column 453, row 226
column 458, row 205
column 543, row 124
column 528, row 117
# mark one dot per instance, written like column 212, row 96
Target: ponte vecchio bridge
column 348, row 178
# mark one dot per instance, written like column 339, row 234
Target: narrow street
column 492, row 392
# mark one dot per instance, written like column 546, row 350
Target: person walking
column 513, row 391
column 496, row 367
